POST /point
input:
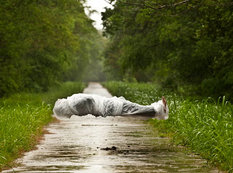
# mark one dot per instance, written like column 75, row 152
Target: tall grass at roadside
column 204, row 125
column 22, row 117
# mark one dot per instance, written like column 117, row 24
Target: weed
column 204, row 125
column 22, row 117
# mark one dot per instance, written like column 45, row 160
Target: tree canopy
column 43, row 42
column 174, row 42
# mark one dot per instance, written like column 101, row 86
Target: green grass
column 22, row 117
column 204, row 125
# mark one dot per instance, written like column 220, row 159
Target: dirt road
column 112, row 144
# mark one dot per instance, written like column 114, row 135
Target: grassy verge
column 22, row 117
column 204, row 125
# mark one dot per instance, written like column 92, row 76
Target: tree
column 174, row 42
column 42, row 42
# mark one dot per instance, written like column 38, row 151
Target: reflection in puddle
column 107, row 148
column 113, row 144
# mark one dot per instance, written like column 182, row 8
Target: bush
column 204, row 125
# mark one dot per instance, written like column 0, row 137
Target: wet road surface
column 112, row 144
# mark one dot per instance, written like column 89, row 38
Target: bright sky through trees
column 99, row 6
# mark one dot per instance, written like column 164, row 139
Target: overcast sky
column 97, row 5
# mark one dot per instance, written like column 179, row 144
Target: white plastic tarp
column 83, row 104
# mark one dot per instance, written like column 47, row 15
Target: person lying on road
column 83, row 104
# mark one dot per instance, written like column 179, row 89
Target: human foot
column 161, row 109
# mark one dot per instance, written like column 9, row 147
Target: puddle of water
column 80, row 144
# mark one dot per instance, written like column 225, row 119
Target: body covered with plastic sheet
column 83, row 104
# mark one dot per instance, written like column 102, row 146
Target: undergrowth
column 204, row 125
column 22, row 117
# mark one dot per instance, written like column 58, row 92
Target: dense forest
column 154, row 48
column 44, row 42
column 185, row 45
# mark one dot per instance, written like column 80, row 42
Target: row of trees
column 43, row 42
column 174, row 42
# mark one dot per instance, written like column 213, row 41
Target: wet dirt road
column 112, row 144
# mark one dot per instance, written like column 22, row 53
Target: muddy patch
column 113, row 148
